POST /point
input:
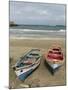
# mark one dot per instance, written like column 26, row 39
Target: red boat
column 54, row 58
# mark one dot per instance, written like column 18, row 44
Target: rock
column 24, row 85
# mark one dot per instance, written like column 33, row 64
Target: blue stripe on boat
column 24, row 75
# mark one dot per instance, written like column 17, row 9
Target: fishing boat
column 27, row 64
column 54, row 58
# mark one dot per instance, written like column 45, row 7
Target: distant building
column 11, row 23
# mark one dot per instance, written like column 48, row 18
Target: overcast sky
column 37, row 13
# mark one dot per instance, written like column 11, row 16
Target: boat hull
column 27, row 71
column 53, row 67
column 54, row 64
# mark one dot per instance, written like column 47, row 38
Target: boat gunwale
column 25, row 56
column 29, row 65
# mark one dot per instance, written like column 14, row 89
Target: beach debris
column 24, row 85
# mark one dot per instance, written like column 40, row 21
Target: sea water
column 37, row 31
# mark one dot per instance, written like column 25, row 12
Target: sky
column 31, row 13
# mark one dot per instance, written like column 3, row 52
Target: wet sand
column 41, row 76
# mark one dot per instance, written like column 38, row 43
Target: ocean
column 37, row 31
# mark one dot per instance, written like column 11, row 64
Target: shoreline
column 39, row 38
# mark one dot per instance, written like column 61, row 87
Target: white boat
column 27, row 64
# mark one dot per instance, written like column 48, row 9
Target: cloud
column 37, row 13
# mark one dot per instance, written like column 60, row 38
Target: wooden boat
column 54, row 58
column 27, row 64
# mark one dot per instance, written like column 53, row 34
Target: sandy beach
column 41, row 76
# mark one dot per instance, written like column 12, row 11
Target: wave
column 40, row 38
column 61, row 30
column 30, row 30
